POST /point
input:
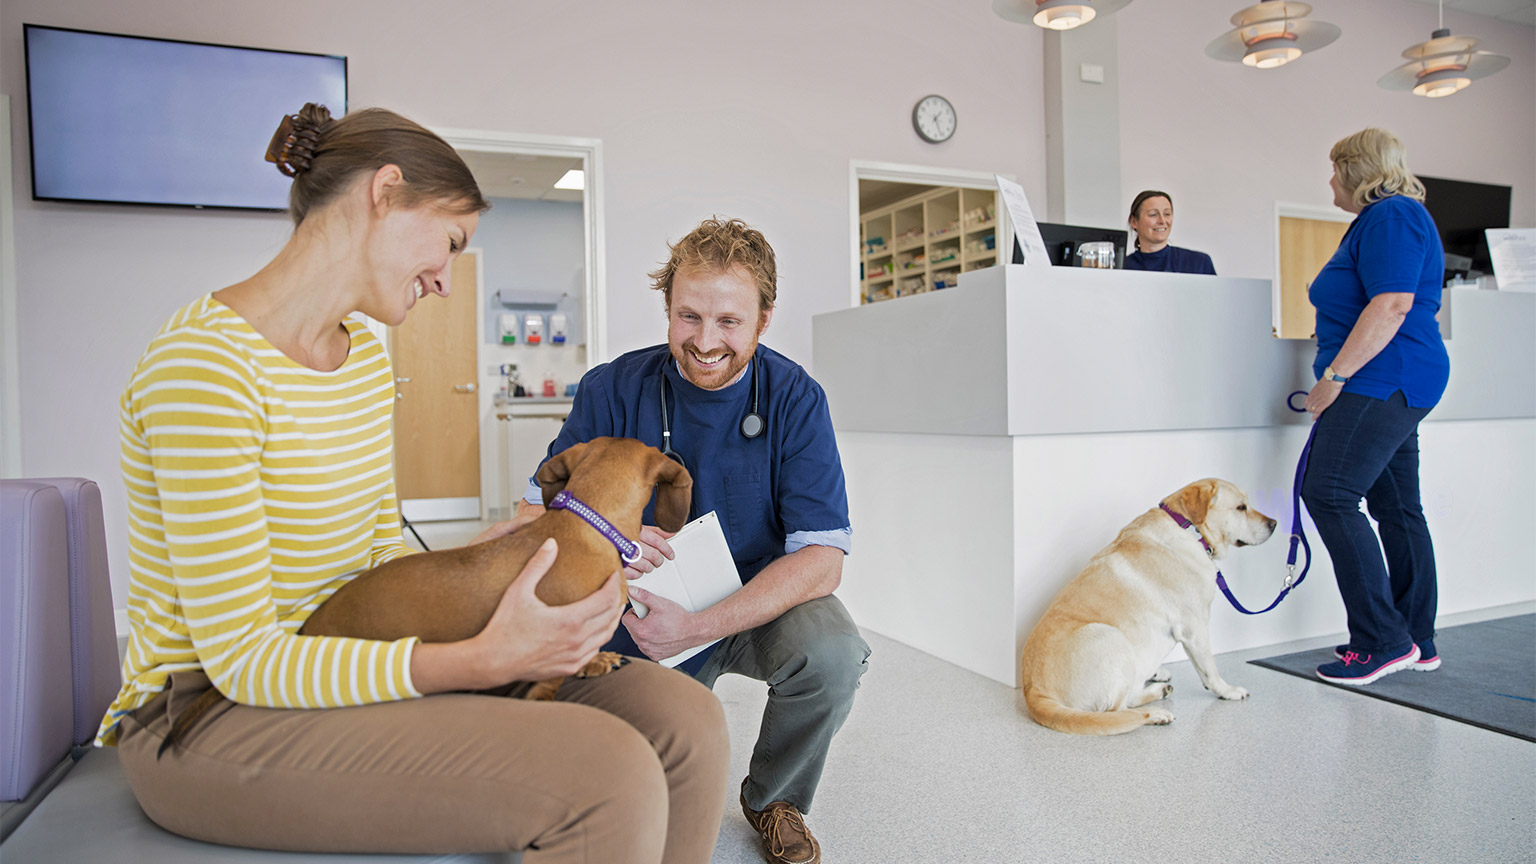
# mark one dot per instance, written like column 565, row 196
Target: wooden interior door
column 1305, row 246
column 437, row 417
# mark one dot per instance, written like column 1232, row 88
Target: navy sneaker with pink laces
column 1356, row 668
column 1428, row 660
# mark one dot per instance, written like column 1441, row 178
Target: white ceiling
column 520, row 175
column 1515, row 11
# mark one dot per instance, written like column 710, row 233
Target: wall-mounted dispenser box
column 533, row 329
column 557, row 328
column 506, row 326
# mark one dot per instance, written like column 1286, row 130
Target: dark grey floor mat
column 1487, row 676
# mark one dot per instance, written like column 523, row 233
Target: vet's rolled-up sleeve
column 812, row 495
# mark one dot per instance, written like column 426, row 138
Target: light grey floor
column 937, row 764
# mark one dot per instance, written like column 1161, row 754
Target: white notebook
column 702, row 574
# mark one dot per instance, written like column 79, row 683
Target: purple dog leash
column 1298, row 536
column 629, row 550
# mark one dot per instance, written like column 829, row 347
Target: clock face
column 934, row 119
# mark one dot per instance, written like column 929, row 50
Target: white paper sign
column 1513, row 251
column 1025, row 229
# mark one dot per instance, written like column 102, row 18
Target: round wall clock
column 934, row 119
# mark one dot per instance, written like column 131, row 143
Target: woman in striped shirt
column 256, row 450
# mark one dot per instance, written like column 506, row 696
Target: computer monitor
column 1063, row 240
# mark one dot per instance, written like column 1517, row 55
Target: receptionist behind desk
column 1152, row 221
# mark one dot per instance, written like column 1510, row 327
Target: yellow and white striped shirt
column 256, row 488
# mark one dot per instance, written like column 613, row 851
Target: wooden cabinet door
column 437, row 423
column 1305, row 246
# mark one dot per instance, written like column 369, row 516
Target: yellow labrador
column 1095, row 657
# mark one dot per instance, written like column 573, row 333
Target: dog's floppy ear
column 1195, row 500
column 674, row 494
column 553, row 474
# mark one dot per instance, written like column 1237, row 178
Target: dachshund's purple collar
column 1190, row 527
column 629, row 550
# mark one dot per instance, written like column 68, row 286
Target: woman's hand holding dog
column 525, row 639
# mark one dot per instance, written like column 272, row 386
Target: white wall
column 1227, row 141
column 747, row 110
column 535, row 246
column 750, row 110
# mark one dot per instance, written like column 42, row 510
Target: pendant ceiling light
column 1056, row 14
column 1271, row 34
column 1444, row 65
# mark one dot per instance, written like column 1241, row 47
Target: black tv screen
column 134, row 120
column 1463, row 210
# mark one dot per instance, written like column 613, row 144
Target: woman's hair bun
column 293, row 144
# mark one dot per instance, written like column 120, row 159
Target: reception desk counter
column 998, row 434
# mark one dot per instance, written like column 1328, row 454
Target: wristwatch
column 1330, row 375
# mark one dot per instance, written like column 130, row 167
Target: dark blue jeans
column 1369, row 448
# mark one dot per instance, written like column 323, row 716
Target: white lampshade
column 1063, row 14
column 1269, row 53
column 1055, row 14
column 1271, row 34
column 1442, row 66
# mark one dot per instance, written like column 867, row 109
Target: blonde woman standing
column 1381, row 367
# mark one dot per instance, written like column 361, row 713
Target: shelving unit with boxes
column 923, row 243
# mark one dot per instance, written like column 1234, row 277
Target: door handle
column 402, row 380
column 464, row 388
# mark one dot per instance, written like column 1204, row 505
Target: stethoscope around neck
column 751, row 425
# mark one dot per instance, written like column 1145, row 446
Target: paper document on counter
column 702, row 574
column 1025, row 229
column 1513, row 252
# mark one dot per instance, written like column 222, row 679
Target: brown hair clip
column 291, row 148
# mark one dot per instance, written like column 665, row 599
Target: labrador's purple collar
column 629, row 550
column 1190, row 527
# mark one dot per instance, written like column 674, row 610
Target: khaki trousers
column 627, row 767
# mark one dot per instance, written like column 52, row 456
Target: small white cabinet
column 526, row 427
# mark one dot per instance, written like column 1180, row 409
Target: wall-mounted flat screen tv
column 134, row 120
column 1463, row 211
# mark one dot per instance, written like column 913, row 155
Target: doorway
column 916, row 229
column 437, row 436
column 509, row 299
column 1305, row 238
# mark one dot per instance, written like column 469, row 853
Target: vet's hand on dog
column 528, row 640
column 501, row 529
column 665, row 630
column 654, row 549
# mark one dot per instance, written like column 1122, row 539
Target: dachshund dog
column 450, row 595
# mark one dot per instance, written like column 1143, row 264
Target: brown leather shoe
column 786, row 839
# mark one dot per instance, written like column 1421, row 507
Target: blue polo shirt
column 774, row 494
column 1171, row 259
column 1392, row 246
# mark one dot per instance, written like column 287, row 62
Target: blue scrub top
column 774, row 494
column 1392, row 246
column 1171, row 259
